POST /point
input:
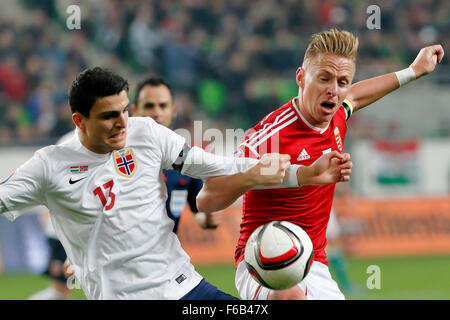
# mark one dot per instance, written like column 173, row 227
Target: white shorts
column 318, row 284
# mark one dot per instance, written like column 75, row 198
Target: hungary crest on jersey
column 125, row 162
column 337, row 135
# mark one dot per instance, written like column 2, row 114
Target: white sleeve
column 197, row 163
column 23, row 189
column 170, row 143
column 202, row 165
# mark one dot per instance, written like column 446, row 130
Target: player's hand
column 330, row 168
column 67, row 269
column 210, row 220
column 427, row 59
column 270, row 170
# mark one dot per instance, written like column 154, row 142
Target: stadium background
column 231, row 62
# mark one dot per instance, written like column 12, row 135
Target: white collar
column 320, row 130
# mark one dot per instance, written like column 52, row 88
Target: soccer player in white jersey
column 106, row 197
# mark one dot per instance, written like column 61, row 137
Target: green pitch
column 400, row 278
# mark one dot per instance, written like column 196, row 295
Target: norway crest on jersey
column 337, row 135
column 125, row 162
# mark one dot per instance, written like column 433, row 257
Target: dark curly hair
column 91, row 84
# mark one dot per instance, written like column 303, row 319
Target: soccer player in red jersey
column 310, row 125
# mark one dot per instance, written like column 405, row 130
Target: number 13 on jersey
column 108, row 204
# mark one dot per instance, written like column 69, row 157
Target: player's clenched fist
column 270, row 170
column 332, row 167
column 427, row 59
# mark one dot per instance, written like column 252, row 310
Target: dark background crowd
column 232, row 61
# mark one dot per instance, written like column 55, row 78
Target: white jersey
column 109, row 212
column 48, row 226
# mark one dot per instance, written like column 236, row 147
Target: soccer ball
column 279, row 254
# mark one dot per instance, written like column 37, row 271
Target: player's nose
column 332, row 88
column 122, row 120
column 158, row 112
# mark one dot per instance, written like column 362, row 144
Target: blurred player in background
column 154, row 98
column 335, row 253
column 335, row 249
column 107, row 198
column 58, row 289
column 310, row 125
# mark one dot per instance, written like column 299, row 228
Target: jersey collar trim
column 320, row 130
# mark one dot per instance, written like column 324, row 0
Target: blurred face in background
column 155, row 102
column 323, row 81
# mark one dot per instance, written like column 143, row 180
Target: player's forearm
column 366, row 92
column 11, row 209
column 220, row 192
column 307, row 175
column 203, row 165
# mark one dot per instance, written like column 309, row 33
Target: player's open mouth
column 327, row 106
column 117, row 137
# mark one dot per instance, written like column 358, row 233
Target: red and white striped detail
column 269, row 129
column 256, row 292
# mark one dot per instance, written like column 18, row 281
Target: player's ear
column 300, row 77
column 174, row 110
column 77, row 117
column 133, row 110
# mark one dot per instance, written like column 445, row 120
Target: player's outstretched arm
column 366, row 92
column 24, row 188
column 220, row 192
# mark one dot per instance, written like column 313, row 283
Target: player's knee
column 294, row 293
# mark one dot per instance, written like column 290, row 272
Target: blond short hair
column 333, row 41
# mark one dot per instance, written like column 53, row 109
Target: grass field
column 401, row 278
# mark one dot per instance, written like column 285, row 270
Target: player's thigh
column 247, row 287
column 57, row 259
column 319, row 285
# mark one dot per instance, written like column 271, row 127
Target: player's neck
column 306, row 115
column 85, row 143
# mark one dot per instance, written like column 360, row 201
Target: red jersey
column 286, row 131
